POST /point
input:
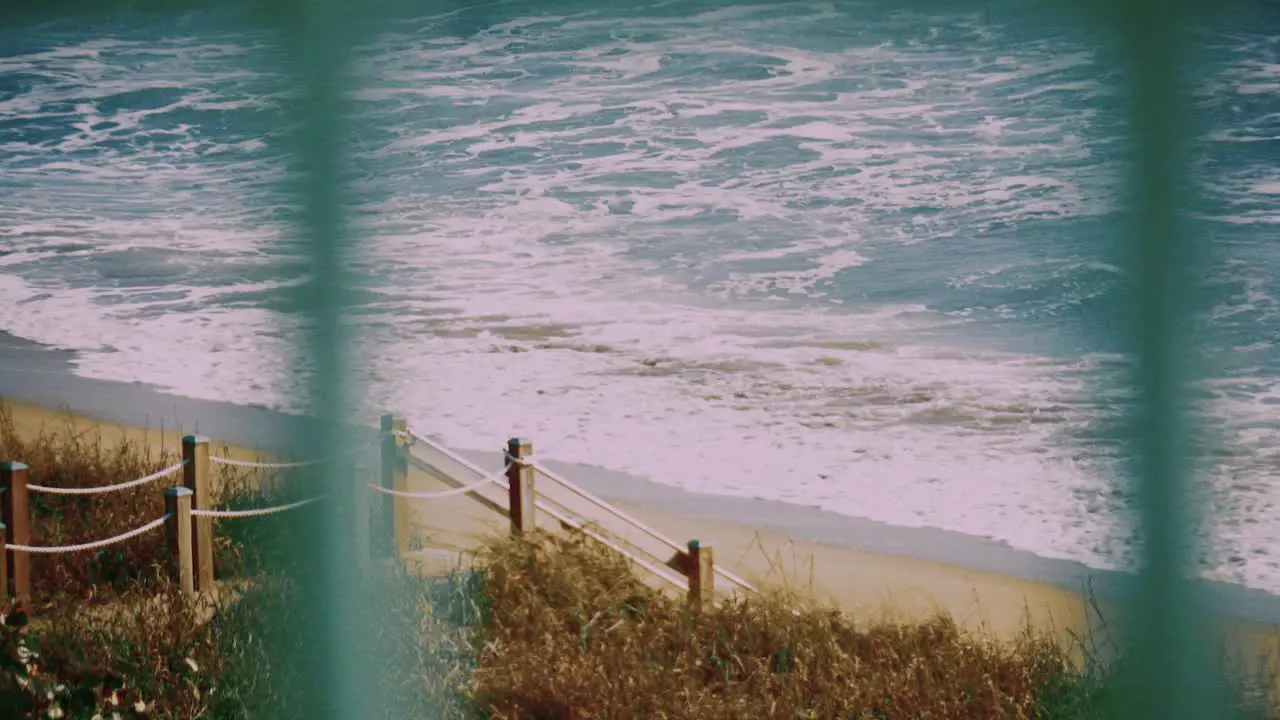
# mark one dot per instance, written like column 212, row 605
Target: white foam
column 544, row 297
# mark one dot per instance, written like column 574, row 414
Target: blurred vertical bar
column 338, row 677
column 1166, row 675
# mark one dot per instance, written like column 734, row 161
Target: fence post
column 394, row 468
column 702, row 576
column 4, row 573
column 16, row 516
column 520, row 485
column 177, row 506
column 197, row 478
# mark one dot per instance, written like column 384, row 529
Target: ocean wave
column 866, row 262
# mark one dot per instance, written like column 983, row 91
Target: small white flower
column 140, row 706
column 116, row 716
column 192, row 664
column 24, row 653
column 97, row 716
column 55, row 712
column 60, row 688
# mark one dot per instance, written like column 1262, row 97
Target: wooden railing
column 689, row 567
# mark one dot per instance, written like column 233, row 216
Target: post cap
column 13, row 465
column 520, row 447
column 694, row 544
column 194, row 440
column 177, row 491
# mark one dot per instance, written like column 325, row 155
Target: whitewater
column 828, row 254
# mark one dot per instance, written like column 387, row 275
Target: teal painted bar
column 13, row 465
column 318, row 38
column 1168, row 675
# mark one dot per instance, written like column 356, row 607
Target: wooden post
column 702, row 577
column 520, row 485
column 177, row 506
column 197, row 478
column 4, row 573
column 394, row 468
column 16, row 516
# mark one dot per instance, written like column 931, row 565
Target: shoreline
column 38, row 376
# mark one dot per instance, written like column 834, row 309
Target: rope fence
column 91, row 545
column 108, row 488
column 693, row 559
column 431, row 495
column 190, row 512
column 258, row 464
column 254, row 512
column 643, row 527
column 264, row 465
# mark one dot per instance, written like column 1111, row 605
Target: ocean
column 833, row 254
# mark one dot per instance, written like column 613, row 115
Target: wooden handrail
column 658, row 570
column 580, row 492
column 540, row 502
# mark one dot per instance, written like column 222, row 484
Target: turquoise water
column 831, row 254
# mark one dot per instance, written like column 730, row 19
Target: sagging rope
column 91, row 545
column 254, row 512
column 485, row 480
column 264, row 465
column 107, row 488
column 282, row 465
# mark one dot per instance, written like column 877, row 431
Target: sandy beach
column 865, row 568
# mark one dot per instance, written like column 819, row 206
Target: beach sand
column 865, row 568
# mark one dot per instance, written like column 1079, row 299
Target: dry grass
column 69, row 456
column 572, row 633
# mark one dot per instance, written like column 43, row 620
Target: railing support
column 177, row 506
column 15, row 513
column 4, row 572
column 197, row 478
column 394, row 470
column 520, row 495
column 702, row 576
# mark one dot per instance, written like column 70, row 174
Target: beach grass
column 543, row 626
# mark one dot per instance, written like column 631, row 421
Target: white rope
column 266, row 465
column 447, row 453
column 91, row 545
column 573, row 487
column 440, row 493
column 107, row 488
column 580, row 492
column 253, row 512
column 280, row 465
